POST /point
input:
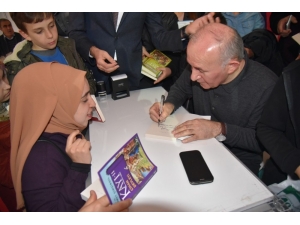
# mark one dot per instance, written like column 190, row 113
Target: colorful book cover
column 160, row 57
column 150, row 65
column 127, row 171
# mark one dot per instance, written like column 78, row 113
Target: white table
column 234, row 187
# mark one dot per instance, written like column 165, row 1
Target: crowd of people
column 228, row 65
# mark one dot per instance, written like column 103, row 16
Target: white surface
column 234, row 188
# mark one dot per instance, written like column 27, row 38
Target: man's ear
column 24, row 35
column 232, row 66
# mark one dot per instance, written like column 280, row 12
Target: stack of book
column 150, row 64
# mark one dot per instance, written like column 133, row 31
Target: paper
column 96, row 186
column 296, row 37
column 184, row 23
column 164, row 129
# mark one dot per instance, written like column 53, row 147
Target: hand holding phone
column 196, row 167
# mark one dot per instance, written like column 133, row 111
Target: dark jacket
column 4, row 48
column 97, row 29
column 22, row 57
column 51, row 182
column 264, row 45
column 279, row 127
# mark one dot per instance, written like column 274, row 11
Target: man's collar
column 9, row 38
column 230, row 87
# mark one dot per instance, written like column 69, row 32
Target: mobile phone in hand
column 288, row 24
column 195, row 167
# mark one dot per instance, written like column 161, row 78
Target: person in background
column 225, row 84
column 8, row 39
column 288, row 47
column 244, row 22
column 42, row 44
column 7, row 193
column 279, row 128
column 111, row 42
column 50, row 158
column 62, row 23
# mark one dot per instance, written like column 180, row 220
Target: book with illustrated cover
column 100, row 116
column 127, row 171
column 150, row 64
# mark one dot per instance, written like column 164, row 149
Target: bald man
column 226, row 85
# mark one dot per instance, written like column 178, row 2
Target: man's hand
column 281, row 29
column 166, row 71
column 145, row 53
column 154, row 111
column 104, row 61
column 102, row 204
column 197, row 129
column 249, row 52
column 200, row 22
column 78, row 149
column 298, row 171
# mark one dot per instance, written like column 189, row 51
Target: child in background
column 42, row 44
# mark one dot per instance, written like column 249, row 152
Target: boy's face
column 43, row 35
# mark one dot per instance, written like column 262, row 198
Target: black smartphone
column 195, row 167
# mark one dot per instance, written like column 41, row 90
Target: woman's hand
column 78, row 148
column 102, row 204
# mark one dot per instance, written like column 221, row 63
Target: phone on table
column 195, row 167
column 288, row 24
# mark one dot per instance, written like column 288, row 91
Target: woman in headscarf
column 50, row 159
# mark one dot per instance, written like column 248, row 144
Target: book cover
column 127, row 171
column 100, row 115
column 150, row 64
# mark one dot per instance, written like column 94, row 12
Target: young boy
column 42, row 44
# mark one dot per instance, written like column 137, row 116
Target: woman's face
column 4, row 87
column 85, row 109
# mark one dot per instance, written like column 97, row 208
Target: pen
column 162, row 100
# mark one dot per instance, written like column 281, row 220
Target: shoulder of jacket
column 14, row 55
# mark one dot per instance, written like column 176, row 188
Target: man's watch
column 183, row 34
column 222, row 135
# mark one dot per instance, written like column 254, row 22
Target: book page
column 163, row 130
column 296, row 37
column 100, row 115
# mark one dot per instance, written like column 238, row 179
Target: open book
column 150, row 64
column 100, row 116
column 164, row 129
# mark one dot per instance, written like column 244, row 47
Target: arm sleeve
column 162, row 39
column 245, row 137
column 49, row 184
column 259, row 22
column 77, row 31
column 181, row 90
column 271, row 131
